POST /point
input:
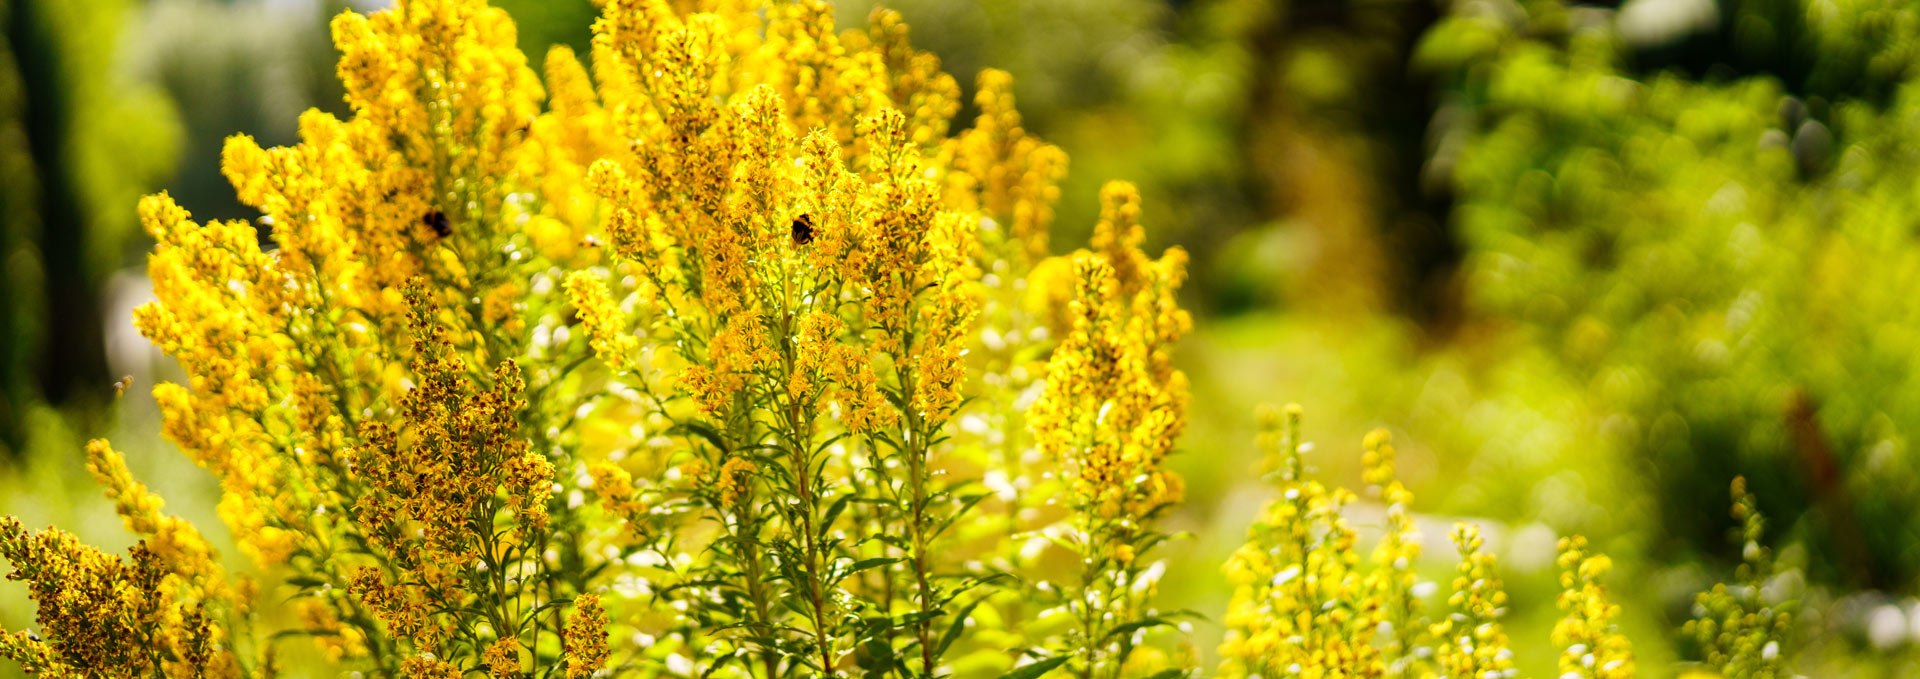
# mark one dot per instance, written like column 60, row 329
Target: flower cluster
column 1304, row 606
column 1740, row 626
column 709, row 353
column 1591, row 644
column 1111, row 412
column 165, row 610
column 1114, row 404
column 1472, row 642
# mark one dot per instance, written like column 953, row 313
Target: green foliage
column 1719, row 263
column 79, row 142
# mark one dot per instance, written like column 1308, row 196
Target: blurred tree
column 1281, row 142
column 93, row 143
column 247, row 66
column 19, row 224
column 1722, row 264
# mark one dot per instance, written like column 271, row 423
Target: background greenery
column 1587, row 261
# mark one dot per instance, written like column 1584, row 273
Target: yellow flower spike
column 586, row 637
column 1118, row 236
column 866, row 407
column 1592, row 644
column 608, row 329
column 334, row 638
column 138, row 507
column 174, row 541
column 1303, row 604
column 102, row 615
column 830, row 86
column 429, row 667
column 1394, row 576
column 813, row 344
column 614, row 486
column 529, row 484
column 218, row 298
column 34, row 655
column 736, row 479
column 1002, row 171
column 1111, row 411
column 927, row 95
column 734, row 354
column 1472, row 642
column 831, row 227
column 564, row 142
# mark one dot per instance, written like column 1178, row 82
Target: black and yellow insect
column 803, row 229
column 437, row 220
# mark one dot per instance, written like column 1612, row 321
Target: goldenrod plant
column 1306, row 604
column 665, row 350
column 718, row 354
column 1742, row 626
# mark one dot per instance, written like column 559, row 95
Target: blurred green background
column 1587, row 261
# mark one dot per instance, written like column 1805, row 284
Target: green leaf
column 1037, row 669
column 306, row 582
column 1131, row 627
column 833, row 512
column 865, row 564
column 954, row 630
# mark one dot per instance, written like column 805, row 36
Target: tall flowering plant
column 644, row 365
column 718, row 354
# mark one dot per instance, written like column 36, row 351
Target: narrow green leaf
column 1038, row 669
column 953, row 630
column 865, row 564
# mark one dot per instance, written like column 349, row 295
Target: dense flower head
column 457, row 453
column 1592, row 645
column 1303, row 605
column 607, row 326
column 586, row 637
column 218, row 300
column 1472, row 642
column 1114, row 405
column 103, row 615
column 1005, row 172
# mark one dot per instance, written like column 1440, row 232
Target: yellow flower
column 100, row 615
column 1592, row 644
column 528, row 483
column 336, row 639
column 615, row 488
column 1000, row 170
column 928, row 96
column 176, row 543
column 736, row 479
column 1114, row 405
column 1472, row 643
column 429, row 667
column 1302, row 604
column 586, row 637
column 503, row 657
